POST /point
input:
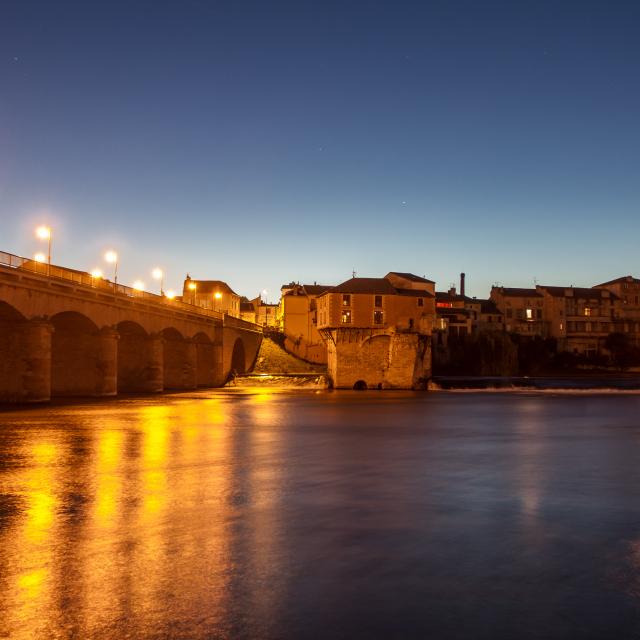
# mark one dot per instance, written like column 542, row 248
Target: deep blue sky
column 267, row 142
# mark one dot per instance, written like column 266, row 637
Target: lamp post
column 193, row 287
column 158, row 274
column 112, row 258
column 44, row 233
column 96, row 274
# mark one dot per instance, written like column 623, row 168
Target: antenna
column 535, row 281
column 353, row 273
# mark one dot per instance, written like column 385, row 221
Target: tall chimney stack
column 462, row 284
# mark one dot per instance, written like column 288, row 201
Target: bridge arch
column 8, row 313
column 238, row 358
column 139, row 359
column 179, row 360
column 83, row 358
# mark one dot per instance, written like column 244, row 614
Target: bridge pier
column 154, row 378
column 36, row 360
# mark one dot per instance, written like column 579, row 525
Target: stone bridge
column 64, row 333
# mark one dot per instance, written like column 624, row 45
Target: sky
column 268, row 142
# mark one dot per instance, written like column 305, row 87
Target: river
column 262, row 513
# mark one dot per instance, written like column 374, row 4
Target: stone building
column 579, row 318
column 627, row 308
column 211, row 294
column 522, row 310
column 298, row 321
column 247, row 310
column 378, row 331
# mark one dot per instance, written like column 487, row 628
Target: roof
column 246, row 306
column 619, row 281
column 365, row 285
column 316, row 289
column 410, row 276
column 489, row 306
column 415, row 293
column 211, row 286
column 578, row 292
column 511, row 292
column 449, row 297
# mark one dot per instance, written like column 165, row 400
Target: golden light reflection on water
column 31, row 562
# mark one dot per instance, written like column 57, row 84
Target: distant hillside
column 272, row 358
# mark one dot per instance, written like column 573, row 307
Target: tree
column 623, row 353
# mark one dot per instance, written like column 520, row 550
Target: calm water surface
column 247, row 514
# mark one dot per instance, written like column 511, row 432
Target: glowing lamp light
column 157, row 274
column 170, row 294
column 40, row 257
column 192, row 286
column 217, row 295
column 96, row 273
column 138, row 285
column 111, row 256
column 44, row 233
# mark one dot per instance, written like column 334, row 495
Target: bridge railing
column 85, row 279
column 238, row 323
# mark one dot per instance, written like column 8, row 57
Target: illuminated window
column 377, row 302
column 587, row 311
column 346, row 316
column 346, row 300
column 421, row 302
column 561, row 326
column 529, row 314
column 378, row 317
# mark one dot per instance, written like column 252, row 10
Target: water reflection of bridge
column 65, row 333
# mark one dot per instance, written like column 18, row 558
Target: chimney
column 462, row 284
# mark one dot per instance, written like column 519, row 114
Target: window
column 346, row 316
column 529, row 314
column 378, row 317
column 587, row 311
column 421, row 302
column 377, row 301
column 346, row 300
column 509, row 313
column 561, row 326
column 539, row 314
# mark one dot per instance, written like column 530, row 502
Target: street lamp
column 40, row 257
column 217, row 295
column 44, row 233
column 158, row 274
column 192, row 287
column 170, row 295
column 112, row 258
column 138, row 285
column 96, row 274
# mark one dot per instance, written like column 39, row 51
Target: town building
column 378, row 331
column 211, row 294
column 579, row 318
column 247, row 310
column 627, row 308
column 522, row 310
column 298, row 321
